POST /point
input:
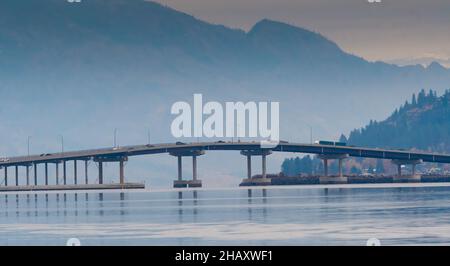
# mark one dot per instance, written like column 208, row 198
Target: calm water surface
column 314, row 215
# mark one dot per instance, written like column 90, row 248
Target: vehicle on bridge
column 330, row 143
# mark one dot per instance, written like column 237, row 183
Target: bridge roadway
column 249, row 149
column 224, row 146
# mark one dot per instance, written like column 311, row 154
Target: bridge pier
column 35, row 173
column 256, row 181
column 194, row 168
column 17, row 175
column 249, row 166
column 121, row 172
column 340, row 178
column 57, row 173
column 75, row 172
column 101, row 159
column 100, row 172
column 28, row 174
column 407, row 178
column 46, row 174
column 6, row 176
column 86, row 179
column 64, row 172
column 180, row 168
column 195, row 182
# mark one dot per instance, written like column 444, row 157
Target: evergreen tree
column 426, row 127
column 343, row 138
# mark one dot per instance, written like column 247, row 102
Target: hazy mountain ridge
column 114, row 47
column 60, row 31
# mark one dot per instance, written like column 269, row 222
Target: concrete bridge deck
column 224, row 146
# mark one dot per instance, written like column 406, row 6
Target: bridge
column 194, row 150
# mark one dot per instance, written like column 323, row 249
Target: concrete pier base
column 256, row 182
column 407, row 178
column 187, row 183
column 195, row 183
column 333, row 180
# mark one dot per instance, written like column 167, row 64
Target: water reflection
column 252, row 203
column 264, row 208
column 40, row 205
column 76, row 204
column 65, row 204
column 46, row 205
column 195, row 210
column 202, row 216
column 180, row 206
column 101, row 205
column 6, row 204
column 28, row 205
column 86, row 205
column 249, row 203
column 17, row 205
column 183, row 204
column 122, row 204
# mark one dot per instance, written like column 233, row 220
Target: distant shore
column 277, row 180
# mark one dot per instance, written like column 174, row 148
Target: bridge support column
column 249, row 166
column 264, row 168
column 35, row 174
column 28, row 174
column 64, row 173
column 195, row 182
column 57, row 172
column 6, row 176
column 100, row 173
column 407, row 178
column 326, row 178
column 180, row 168
column 325, row 167
column 121, row 172
column 194, row 167
column 110, row 158
column 46, row 174
column 86, row 178
column 261, row 180
column 340, row 167
column 17, row 175
column 75, row 172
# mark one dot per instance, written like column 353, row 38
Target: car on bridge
column 330, row 143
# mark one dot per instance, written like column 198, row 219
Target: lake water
column 408, row 214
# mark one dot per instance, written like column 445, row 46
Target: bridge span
column 180, row 150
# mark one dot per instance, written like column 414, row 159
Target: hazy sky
column 392, row 29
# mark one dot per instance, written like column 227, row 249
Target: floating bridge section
column 193, row 150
